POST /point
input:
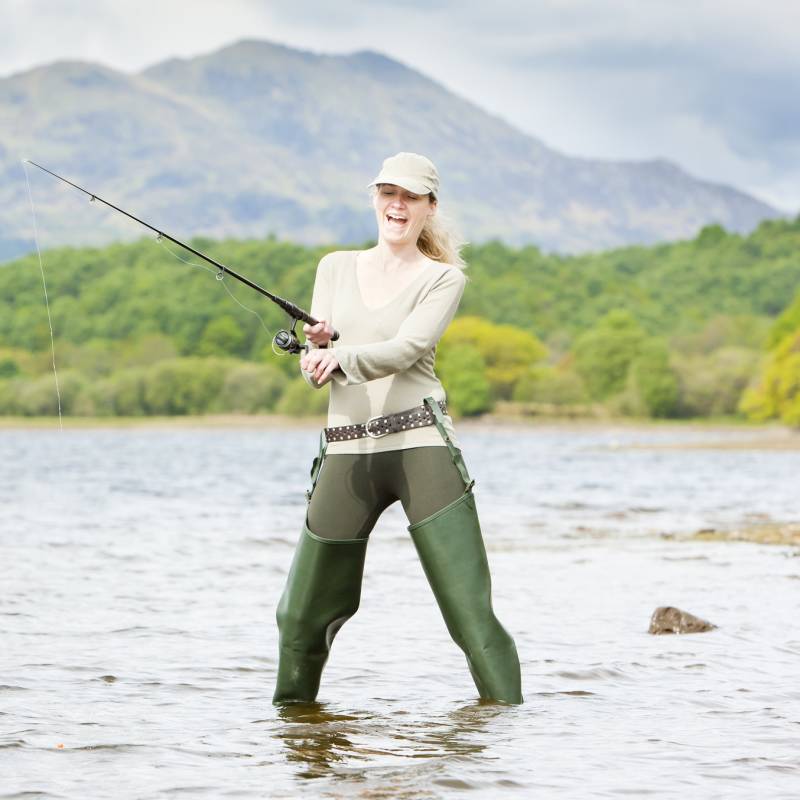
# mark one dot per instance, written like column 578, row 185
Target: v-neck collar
column 359, row 293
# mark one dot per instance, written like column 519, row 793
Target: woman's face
column 401, row 214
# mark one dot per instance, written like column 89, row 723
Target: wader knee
column 450, row 546
column 322, row 592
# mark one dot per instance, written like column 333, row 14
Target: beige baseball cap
column 411, row 171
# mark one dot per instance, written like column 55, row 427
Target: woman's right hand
column 319, row 334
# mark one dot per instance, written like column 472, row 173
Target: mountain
column 258, row 138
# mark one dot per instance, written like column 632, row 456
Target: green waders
column 323, row 590
column 450, row 547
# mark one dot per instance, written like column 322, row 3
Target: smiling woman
column 389, row 438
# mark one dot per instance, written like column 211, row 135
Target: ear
column 434, row 205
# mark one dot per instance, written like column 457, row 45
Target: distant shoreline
column 737, row 435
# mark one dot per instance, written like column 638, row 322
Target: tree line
column 702, row 328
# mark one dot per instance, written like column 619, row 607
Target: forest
column 703, row 328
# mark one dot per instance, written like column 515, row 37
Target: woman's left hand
column 321, row 363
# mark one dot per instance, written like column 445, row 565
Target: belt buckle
column 375, row 435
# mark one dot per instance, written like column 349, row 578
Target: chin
column 399, row 237
column 394, row 237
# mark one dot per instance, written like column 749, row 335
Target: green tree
column 9, row 389
column 559, row 385
column 184, row 386
column 301, row 400
column 777, row 394
column 710, row 236
column 8, row 367
column 222, row 336
column 249, row 388
column 653, row 380
column 146, row 350
column 787, row 323
column 122, row 394
column 463, row 373
column 604, row 354
column 712, row 384
column 38, row 397
column 507, row 352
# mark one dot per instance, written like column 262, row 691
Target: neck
column 399, row 256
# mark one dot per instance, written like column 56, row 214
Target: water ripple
column 139, row 642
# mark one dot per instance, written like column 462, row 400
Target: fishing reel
column 288, row 341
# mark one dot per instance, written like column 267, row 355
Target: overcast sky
column 713, row 85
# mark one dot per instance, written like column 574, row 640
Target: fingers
column 319, row 334
column 321, row 363
column 309, row 359
column 322, row 366
column 328, row 367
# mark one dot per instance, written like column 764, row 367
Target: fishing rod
column 285, row 339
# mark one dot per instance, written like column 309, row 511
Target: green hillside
column 685, row 325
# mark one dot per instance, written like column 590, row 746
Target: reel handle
column 287, row 340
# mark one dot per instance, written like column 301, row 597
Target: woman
column 389, row 438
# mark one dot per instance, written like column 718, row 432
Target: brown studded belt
column 377, row 427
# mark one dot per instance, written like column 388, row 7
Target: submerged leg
column 450, row 546
column 322, row 592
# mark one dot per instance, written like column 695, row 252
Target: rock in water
column 667, row 619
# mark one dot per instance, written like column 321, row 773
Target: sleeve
column 419, row 332
column 321, row 303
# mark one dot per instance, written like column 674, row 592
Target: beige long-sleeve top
column 386, row 355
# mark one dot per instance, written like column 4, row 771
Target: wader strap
column 316, row 465
column 458, row 459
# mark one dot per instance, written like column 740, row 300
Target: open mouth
column 396, row 221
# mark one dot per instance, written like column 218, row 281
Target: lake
column 140, row 569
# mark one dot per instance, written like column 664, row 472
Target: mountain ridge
column 258, row 138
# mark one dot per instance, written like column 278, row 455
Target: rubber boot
column 322, row 592
column 450, row 546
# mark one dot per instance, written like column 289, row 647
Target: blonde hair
column 439, row 241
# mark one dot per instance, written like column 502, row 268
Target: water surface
column 140, row 571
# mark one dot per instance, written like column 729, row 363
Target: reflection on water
column 317, row 741
column 140, row 571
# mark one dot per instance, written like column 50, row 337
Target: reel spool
column 288, row 341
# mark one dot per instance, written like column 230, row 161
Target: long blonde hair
column 439, row 241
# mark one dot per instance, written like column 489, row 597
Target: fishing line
column 220, row 276
column 286, row 340
column 46, row 301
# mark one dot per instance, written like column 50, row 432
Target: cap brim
column 409, row 184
